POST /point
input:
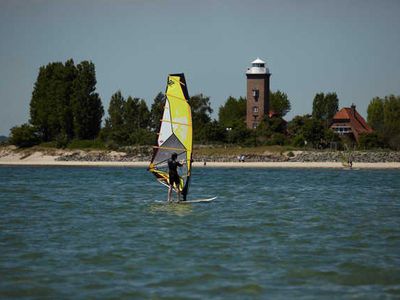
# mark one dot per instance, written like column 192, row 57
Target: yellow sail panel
column 174, row 89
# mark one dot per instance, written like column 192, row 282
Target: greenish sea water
column 98, row 233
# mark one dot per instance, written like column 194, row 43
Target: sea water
column 95, row 233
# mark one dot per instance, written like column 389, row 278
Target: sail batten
column 175, row 134
column 172, row 122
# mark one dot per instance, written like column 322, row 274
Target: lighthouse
column 257, row 93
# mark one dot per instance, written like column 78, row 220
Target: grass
column 87, row 145
column 237, row 150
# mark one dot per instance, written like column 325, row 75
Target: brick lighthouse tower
column 257, row 93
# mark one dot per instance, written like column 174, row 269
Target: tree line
column 65, row 107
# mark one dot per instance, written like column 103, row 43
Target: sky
column 351, row 47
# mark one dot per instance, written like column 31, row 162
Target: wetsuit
column 173, row 172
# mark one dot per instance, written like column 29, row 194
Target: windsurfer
column 174, row 178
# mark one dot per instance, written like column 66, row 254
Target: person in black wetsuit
column 173, row 164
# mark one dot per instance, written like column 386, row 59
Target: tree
column 115, row 121
column 143, row 115
column 214, row 132
column 49, row 97
column 201, row 110
column 24, row 136
column 313, row 132
column 156, row 112
column 232, row 113
column 391, row 112
column 370, row 141
column 295, row 129
column 279, row 103
column 384, row 117
column 325, row 107
column 64, row 105
column 375, row 113
column 136, row 119
column 87, row 108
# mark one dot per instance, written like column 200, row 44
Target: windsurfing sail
column 175, row 135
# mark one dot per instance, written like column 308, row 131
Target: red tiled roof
column 350, row 116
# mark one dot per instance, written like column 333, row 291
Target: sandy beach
column 40, row 159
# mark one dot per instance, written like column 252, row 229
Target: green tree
column 201, row 110
column 232, row 113
column 64, row 104
column 391, row 121
column 375, row 113
column 313, row 132
column 384, row 117
column 295, row 129
column 279, row 103
column 156, row 112
column 325, row 107
column 214, row 132
column 47, row 101
column 87, row 108
column 295, row 126
column 370, row 141
column 24, row 136
column 143, row 115
column 115, row 122
column 136, row 119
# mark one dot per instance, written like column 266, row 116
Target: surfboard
column 197, row 200
column 205, row 200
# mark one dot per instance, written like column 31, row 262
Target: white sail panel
column 166, row 126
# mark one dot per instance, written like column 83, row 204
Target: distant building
column 257, row 93
column 349, row 122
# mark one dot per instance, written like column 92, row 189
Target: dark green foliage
column 24, row 136
column 308, row 131
column 64, row 105
column 86, row 144
column 370, row 141
column 241, row 135
column 232, row 113
column 87, row 109
column 375, row 113
column 156, row 112
column 325, row 107
column 142, row 137
column 313, row 132
column 276, row 125
column 50, row 96
column 384, row 117
column 295, row 126
column 128, row 122
column 213, row 133
column 279, row 103
column 201, row 110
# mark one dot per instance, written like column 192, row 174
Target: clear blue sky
column 348, row 47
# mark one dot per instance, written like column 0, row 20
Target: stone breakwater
column 339, row 156
column 295, row 156
column 94, row 156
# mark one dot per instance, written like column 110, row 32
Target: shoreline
column 47, row 161
column 79, row 158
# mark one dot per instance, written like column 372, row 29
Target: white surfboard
column 188, row 201
column 197, row 200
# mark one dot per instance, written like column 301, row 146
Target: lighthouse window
column 255, row 109
column 255, row 94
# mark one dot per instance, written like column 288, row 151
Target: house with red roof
column 348, row 121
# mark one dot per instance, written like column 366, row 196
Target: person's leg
column 170, row 193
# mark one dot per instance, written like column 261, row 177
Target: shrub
column 24, row 136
